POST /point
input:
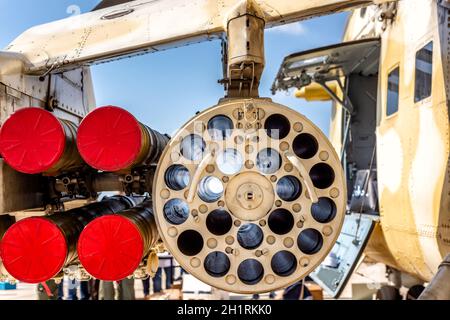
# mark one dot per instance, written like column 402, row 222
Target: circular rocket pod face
column 110, row 248
column 110, row 139
column 232, row 204
column 32, row 140
column 33, row 250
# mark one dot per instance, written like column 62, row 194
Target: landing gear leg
column 439, row 287
column 391, row 292
column 395, row 277
column 388, row 293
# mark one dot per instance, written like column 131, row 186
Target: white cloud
column 291, row 29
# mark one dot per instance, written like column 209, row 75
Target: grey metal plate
column 332, row 275
column 328, row 63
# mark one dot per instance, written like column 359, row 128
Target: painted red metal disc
column 32, row 140
column 109, row 139
column 110, row 248
column 33, row 250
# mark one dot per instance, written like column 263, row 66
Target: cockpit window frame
column 389, row 73
column 419, row 86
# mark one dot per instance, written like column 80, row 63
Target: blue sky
column 165, row 89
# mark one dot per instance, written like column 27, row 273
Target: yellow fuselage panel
column 413, row 143
column 315, row 92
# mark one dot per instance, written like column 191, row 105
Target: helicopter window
column 393, row 91
column 363, row 12
column 424, row 71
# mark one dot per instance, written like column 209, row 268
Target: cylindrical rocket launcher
column 111, row 139
column 111, row 247
column 36, row 249
column 249, row 196
column 35, row 141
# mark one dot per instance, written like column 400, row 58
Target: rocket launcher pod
column 36, row 249
column 254, row 201
column 112, row 247
column 111, row 139
column 35, row 141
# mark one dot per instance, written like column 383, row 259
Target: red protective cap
column 32, row 140
column 109, row 139
column 110, row 248
column 33, row 250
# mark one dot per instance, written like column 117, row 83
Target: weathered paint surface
column 412, row 144
column 147, row 26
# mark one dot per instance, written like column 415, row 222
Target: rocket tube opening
column 281, row 221
column 177, row 177
column 190, row 243
column 250, row 236
column 310, row 241
column 210, row 189
column 220, row 127
column 268, row 161
column 32, row 140
column 322, row 176
column 176, row 211
column 230, row 162
column 193, row 147
column 219, row 222
column 277, row 126
column 217, row 264
column 289, row 188
column 250, row 271
column 305, row 146
column 324, row 211
column 284, row 263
